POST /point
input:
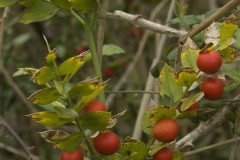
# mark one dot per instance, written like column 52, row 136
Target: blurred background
column 24, row 46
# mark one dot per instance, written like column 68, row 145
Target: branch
column 101, row 27
column 13, row 150
column 203, row 128
column 137, row 132
column 19, row 140
column 138, row 20
column 187, row 154
column 139, row 53
column 217, row 15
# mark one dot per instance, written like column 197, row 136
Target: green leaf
column 71, row 65
column 65, row 112
column 187, row 114
column 168, row 84
column 39, row 12
column 111, row 49
column 189, row 58
column 133, row 149
column 86, row 99
column 186, row 76
column 43, row 75
column 235, row 75
column 44, row 96
column 161, row 112
column 187, row 102
column 49, row 118
column 51, row 57
column 231, row 87
column 62, row 140
column 25, row 71
column 62, row 3
column 188, row 19
column 29, row 3
column 146, row 122
column 6, row 3
column 95, row 121
column 84, row 88
column 84, row 5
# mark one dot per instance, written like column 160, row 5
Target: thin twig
column 191, row 153
column 136, row 58
column 4, row 16
column 31, row 156
column 217, row 15
column 137, row 132
column 101, row 27
column 138, row 20
column 13, row 150
column 132, row 91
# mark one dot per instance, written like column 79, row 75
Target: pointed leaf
column 229, row 55
column 53, row 134
column 49, row 119
column 146, row 122
column 70, row 143
column 65, row 112
column 71, row 65
column 186, row 76
column 212, row 34
column 44, row 96
column 6, row 3
column 111, row 49
column 43, row 75
column 86, row 99
column 189, row 58
column 29, row 3
column 187, row 102
column 39, row 12
column 168, row 85
column 25, row 71
column 189, row 44
column 95, row 121
column 133, row 149
column 62, row 3
column 83, row 5
column 51, row 57
column 114, row 119
column 84, row 88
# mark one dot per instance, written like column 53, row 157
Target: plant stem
column 85, row 138
column 93, row 49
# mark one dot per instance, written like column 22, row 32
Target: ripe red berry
column 95, row 106
column 209, row 61
column 212, row 88
column 107, row 143
column 163, row 154
column 193, row 107
column 108, row 72
column 165, row 130
column 75, row 155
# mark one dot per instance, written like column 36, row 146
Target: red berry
column 165, row 130
column 107, row 143
column 193, row 107
column 95, row 106
column 163, row 154
column 212, row 88
column 81, row 49
column 75, row 155
column 108, row 72
column 209, row 61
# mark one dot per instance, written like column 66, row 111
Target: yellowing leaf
column 189, row 58
column 51, row 57
column 71, row 65
column 161, row 112
column 6, row 3
column 44, row 96
column 86, row 99
column 43, row 75
column 229, row 55
column 53, row 134
column 84, row 88
column 25, row 71
column 186, row 76
column 168, row 84
column 29, row 3
column 187, row 102
column 49, row 118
